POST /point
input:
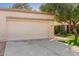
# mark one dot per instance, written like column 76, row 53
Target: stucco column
column 2, row 28
column 52, row 30
column 65, row 28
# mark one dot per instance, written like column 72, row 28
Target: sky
column 33, row 5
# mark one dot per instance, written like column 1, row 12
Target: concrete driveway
column 38, row 48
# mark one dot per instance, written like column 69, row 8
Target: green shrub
column 57, row 29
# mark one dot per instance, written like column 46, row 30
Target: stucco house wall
column 7, row 15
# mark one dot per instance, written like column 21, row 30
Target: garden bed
column 70, row 40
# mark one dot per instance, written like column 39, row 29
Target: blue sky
column 33, row 5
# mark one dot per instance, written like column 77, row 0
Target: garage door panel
column 27, row 30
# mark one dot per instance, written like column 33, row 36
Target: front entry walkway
column 38, row 48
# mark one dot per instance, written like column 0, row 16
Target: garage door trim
column 8, row 19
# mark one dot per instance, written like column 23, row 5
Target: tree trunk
column 75, row 33
column 70, row 26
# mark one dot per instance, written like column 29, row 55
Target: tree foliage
column 21, row 6
column 65, row 12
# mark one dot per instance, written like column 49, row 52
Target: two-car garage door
column 27, row 29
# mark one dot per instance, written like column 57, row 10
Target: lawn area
column 70, row 39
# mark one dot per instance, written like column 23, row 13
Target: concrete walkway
column 38, row 48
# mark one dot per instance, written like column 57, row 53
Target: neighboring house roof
column 23, row 11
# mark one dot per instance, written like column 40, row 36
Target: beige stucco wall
column 4, row 24
column 2, row 27
column 27, row 15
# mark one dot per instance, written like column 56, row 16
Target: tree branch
column 77, row 21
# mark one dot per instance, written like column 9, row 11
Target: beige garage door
column 25, row 29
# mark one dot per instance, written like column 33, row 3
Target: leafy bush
column 57, row 29
column 60, row 29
